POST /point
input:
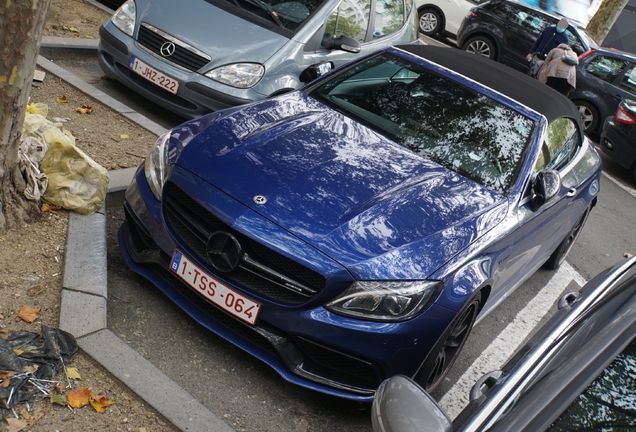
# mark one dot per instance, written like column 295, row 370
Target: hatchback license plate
column 153, row 75
column 226, row 298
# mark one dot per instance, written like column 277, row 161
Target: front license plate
column 226, row 298
column 153, row 75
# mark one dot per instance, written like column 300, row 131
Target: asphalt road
column 248, row 395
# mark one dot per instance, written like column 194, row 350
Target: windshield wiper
column 270, row 11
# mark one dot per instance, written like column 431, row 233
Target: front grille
column 193, row 225
column 187, row 57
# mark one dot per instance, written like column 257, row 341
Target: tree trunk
column 21, row 26
column 604, row 18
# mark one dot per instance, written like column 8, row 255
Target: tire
column 589, row 116
column 481, row 45
column 430, row 22
column 447, row 349
column 564, row 248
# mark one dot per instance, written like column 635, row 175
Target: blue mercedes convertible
column 357, row 228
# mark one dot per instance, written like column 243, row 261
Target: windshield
column 434, row 116
column 287, row 14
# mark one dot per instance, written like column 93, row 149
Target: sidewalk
column 83, row 311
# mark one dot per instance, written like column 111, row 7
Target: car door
column 540, row 231
column 369, row 22
column 526, row 27
column 623, row 87
column 455, row 11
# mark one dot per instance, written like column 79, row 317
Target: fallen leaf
column 62, row 99
column 79, row 398
column 627, row 255
column 30, row 369
column 15, row 425
column 34, row 416
column 18, row 351
column 73, row 29
column 100, row 402
column 58, row 398
column 85, row 109
column 6, row 377
column 72, row 373
column 49, row 207
column 29, row 314
column 124, row 136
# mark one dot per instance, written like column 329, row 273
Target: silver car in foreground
column 578, row 373
column 197, row 56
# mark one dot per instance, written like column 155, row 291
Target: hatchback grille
column 152, row 39
column 193, row 226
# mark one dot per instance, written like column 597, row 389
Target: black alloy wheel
column 482, row 46
column 448, row 347
column 589, row 116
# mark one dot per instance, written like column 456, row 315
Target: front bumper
column 197, row 94
column 305, row 343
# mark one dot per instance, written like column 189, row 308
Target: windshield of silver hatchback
column 286, row 14
column 434, row 116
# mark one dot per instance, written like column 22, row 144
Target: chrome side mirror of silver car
column 545, row 186
column 315, row 70
column 400, row 405
column 343, row 43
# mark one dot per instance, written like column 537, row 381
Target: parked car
column 618, row 139
column 354, row 229
column 604, row 77
column 504, row 30
column 196, row 56
column 442, row 16
column 577, row 373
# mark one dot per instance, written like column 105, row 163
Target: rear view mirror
column 546, row 185
column 314, row 71
column 400, row 405
column 343, row 43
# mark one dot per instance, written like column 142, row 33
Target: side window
column 575, row 42
column 605, row 68
column 608, row 402
column 389, row 17
column 628, row 83
column 532, row 22
column 560, row 146
column 351, row 19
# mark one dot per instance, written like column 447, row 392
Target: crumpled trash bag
column 50, row 351
column 76, row 182
column 30, row 153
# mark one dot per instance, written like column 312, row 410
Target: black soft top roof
column 503, row 79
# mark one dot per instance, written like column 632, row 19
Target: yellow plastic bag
column 76, row 182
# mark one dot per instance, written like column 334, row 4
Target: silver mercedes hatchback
column 197, row 56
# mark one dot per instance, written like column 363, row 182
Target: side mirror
column 400, row 405
column 314, row 71
column 546, row 185
column 343, row 43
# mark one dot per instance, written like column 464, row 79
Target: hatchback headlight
column 240, row 75
column 156, row 167
column 124, row 17
column 385, row 300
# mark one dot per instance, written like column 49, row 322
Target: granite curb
column 83, row 311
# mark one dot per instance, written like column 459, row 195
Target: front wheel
column 447, row 349
column 482, row 46
column 430, row 22
column 560, row 254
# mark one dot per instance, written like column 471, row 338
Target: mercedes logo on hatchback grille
column 167, row 49
column 224, row 251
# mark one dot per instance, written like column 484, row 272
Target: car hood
column 360, row 198
column 227, row 38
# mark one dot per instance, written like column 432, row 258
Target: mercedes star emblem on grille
column 224, row 251
column 167, row 49
column 260, row 199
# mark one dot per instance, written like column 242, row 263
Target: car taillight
column 585, row 54
column 623, row 116
column 473, row 14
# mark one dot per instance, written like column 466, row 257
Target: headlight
column 240, row 75
column 385, row 300
column 156, row 167
column 124, row 17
